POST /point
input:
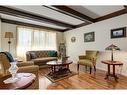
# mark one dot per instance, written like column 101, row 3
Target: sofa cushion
column 52, row 54
column 29, row 69
column 27, row 63
column 39, row 60
column 33, row 55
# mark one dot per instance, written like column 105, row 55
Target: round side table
column 26, row 79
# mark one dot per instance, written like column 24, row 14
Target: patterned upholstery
column 39, row 54
column 42, row 57
column 42, row 53
column 88, row 60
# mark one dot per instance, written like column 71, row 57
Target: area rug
column 60, row 77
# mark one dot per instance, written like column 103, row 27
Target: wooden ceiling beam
column 125, row 6
column 25, row 15
column 29, row 25
column 111, row 15
column 108, row 16
column 73, row 12
column 77, row 26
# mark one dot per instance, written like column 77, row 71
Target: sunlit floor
column 83, row 80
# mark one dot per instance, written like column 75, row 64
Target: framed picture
column 118, row 33
column 89, row 37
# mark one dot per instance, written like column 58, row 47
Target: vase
column 13, row 71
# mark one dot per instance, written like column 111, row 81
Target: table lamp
column 112, row 48
column 9, row 35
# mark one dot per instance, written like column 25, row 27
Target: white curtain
column 34, row 39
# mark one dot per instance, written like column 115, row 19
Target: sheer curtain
column 34, row 39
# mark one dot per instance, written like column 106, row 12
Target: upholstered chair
column 24, row 67
column 88, row 60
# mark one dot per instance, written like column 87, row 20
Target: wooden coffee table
column 59, row 68
column 26, row 79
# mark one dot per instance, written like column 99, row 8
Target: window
column 34, row 39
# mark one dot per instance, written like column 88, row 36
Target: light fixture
column 112, row 48
column 9, row 35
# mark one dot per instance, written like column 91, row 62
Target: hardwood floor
column 83, row 80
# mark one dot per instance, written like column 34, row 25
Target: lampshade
column 112, row 47
column 8, row 35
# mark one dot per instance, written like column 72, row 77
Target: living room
column 71, row 31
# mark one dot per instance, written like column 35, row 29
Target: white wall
column 102, row 40
column 6, row 27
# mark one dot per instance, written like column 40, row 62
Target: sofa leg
column 90, row 70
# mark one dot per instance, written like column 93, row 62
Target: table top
column 26, row 79
column 112, row 62
column 59, row 62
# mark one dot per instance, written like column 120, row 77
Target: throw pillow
column 33, row 55
column 52, row 54
column 9, row 56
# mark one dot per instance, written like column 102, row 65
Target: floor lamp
column 9, row 35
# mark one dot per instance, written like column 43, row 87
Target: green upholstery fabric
column 89, row 59
column 91, row 54
column 85, row 62
column 52, row 54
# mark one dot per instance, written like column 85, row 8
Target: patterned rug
column 60, row 77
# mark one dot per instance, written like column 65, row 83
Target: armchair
column 88, row 60
column 27, row 67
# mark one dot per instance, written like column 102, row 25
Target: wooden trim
column 111, row 15
column 78, row 26
column 67, row 29
column 21, row 14
column 25, row 15
column 75, row 13
column 63, row 12
column 125, row 6
column 82, row 24
column 114, row 14
column 29, row 25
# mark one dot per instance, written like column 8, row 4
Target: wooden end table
column 113, row 64
column 26, row 79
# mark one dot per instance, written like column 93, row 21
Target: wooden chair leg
column 78, row 67
column 90, row 70
column 86, row 68
column 95, row 68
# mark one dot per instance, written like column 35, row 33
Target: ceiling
column 58, row 17
column 97, row 11
column 44, row 11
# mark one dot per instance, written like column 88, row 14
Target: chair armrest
column 27, row 63
column 26, row 69
column 82, row 57
column 93, row 59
